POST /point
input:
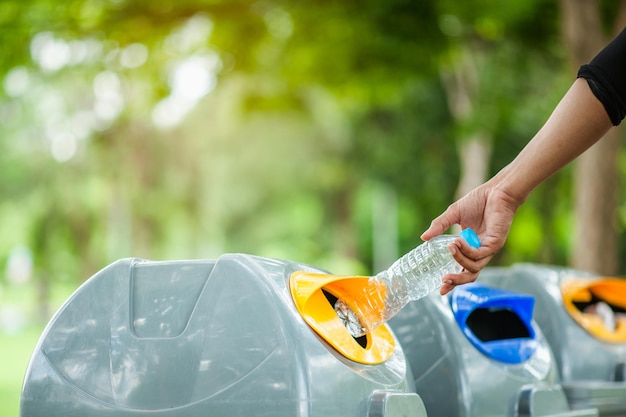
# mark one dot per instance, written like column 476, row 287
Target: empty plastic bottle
column 411, row 277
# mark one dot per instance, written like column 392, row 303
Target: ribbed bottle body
column 411, row 277
column 419, row 272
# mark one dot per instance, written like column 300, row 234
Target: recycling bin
column 207, row 338
column 478, row 352
column 582, row 316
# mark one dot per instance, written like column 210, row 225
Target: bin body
column 455, row 377
column 201, row 338
column 590, row 369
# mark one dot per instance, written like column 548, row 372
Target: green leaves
column 166, row 129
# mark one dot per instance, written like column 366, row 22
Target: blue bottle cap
column 470, row 237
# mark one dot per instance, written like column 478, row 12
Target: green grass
column 15, row 352
column 17, row 345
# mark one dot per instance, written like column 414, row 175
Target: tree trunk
column 461, row 86
column 596, row 246
column 596, row 173
column 474, row 156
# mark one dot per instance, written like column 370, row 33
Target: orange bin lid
column 598, row 305
column 319, row 314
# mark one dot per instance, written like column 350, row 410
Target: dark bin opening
column 489, row 324
column 362, row 341
column 583, row 306
column 497, row 322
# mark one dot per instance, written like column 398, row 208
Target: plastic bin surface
column 497, row 363
column 201, row 338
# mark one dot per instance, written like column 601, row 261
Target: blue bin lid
column 497, row 322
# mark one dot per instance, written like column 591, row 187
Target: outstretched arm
column 578, row 121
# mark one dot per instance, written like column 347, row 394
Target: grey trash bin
column 477, row 353
column 572, row 308
column 202, row 338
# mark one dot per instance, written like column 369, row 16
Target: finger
column 435, row 229
column 446, row 288
column 470, row 258
column 450, row 281
column 438, row 226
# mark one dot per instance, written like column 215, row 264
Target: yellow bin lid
column 306, row 291
column 597, row 305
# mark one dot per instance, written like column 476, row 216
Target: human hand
column 489, row 211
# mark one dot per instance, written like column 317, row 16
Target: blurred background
column 324, row 132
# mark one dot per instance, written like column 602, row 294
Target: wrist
column 512, row 185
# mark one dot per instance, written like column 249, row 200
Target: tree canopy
column 307, row 130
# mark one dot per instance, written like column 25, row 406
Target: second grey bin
column 478, row 353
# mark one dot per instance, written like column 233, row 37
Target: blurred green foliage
column 187, row 129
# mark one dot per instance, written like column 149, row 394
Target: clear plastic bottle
column 411, row 277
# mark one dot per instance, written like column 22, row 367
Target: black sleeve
column 606, row 76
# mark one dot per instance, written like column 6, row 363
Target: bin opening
column 362, row 341
column 489, row 324
column 315, row 294
column 598, row 306
column 591, row 305
column 497, row 322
